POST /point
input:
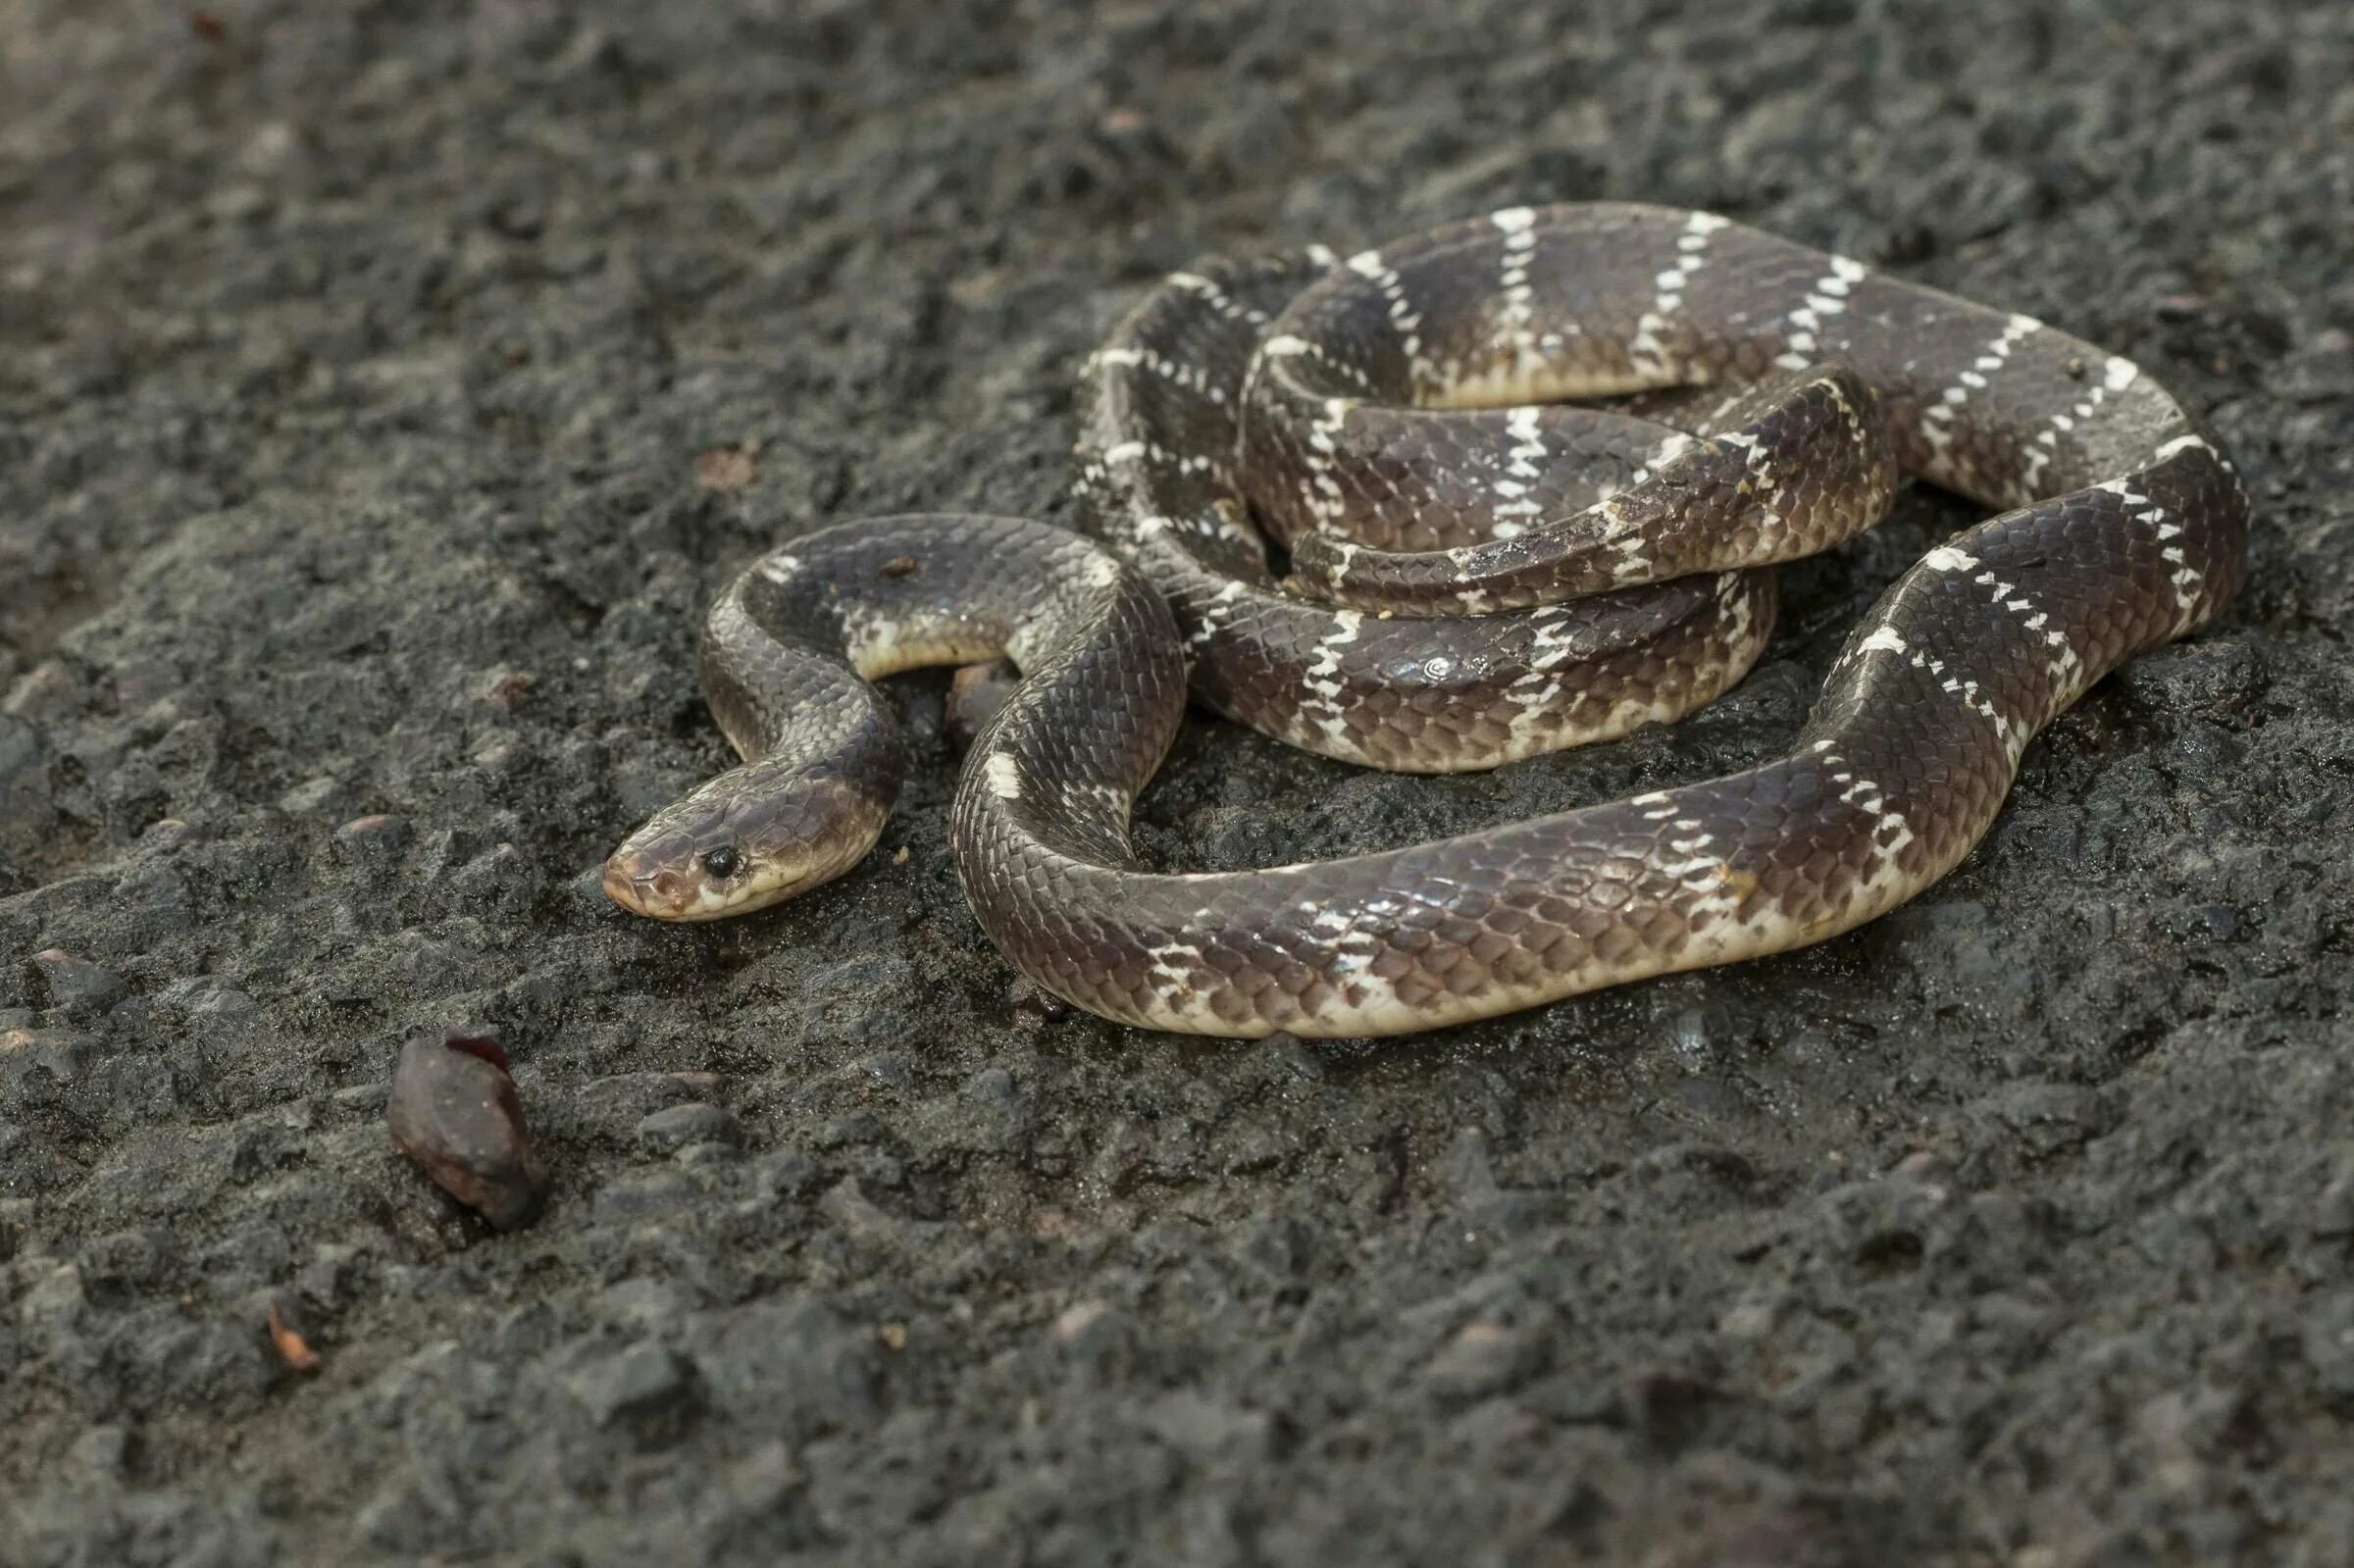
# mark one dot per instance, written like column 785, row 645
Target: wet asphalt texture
column 382, row 393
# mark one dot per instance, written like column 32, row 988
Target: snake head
column 752, row 837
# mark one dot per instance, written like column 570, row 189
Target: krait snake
column 1394, row 416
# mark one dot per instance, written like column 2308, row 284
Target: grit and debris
column 382, row 393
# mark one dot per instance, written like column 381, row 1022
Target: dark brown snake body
column 1395, row 419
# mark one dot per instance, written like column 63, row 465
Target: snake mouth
column 661, row 893
column 638, row 892
column 672, row 895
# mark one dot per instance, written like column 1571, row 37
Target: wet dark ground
column 383, row 393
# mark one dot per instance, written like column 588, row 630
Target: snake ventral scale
column 1480, row 570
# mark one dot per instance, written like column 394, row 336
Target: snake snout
column 641, row 890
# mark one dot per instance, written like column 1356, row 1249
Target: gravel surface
column 383, row 391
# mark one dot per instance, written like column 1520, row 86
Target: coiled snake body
column 1393, row 418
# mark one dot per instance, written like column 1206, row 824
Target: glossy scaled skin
column 1159, row 473
column 1794, row 467
column 2138, row 538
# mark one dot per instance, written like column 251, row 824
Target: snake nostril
column 620, row 886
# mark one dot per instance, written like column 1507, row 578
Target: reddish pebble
column 454, row 1111
column 975, row 695
column 371, row 836
column 508, row 688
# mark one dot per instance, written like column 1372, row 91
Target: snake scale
column 1478, row 571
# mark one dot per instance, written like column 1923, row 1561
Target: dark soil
column 383, row 391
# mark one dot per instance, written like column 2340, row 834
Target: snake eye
column 723, row 862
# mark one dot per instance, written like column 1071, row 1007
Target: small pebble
column 102, row 1452
column 1030, row 1003
column 642, row 1381
column 884, row 1067
column 224, row 1008
column 725, row 470
column 992, row 1085
column 454, row 1111
column 2221, row 921
column 76, row 982
column 1096, row 1338
column 1925, row 1166
column 675, row 1127
column 1076, row 1320
column 371, row 836
column 1484, row 1357
column 975, row 695
column 311, row 795
column 508, row 688
column 856, row 1214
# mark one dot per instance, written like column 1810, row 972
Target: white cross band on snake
column 1478, row 572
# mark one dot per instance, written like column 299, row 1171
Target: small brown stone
column 454, row 1111
column 975, row 695
column 371, row 836
column 725, row 470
